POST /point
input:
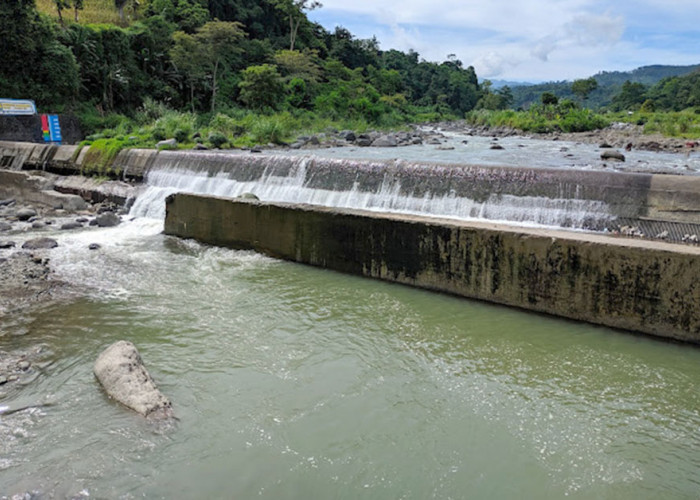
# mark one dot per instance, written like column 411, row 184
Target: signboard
column 50, row 128
column 15, row 107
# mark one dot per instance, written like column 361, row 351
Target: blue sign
column 55, row 129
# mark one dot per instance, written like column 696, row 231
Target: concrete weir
column 644, row 286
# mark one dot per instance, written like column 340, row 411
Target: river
column 294, row 382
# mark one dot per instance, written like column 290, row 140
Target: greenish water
column 293, row 382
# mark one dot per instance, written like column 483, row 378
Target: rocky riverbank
column 32, row 214
column 617, row 135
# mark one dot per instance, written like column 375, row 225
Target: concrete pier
column 644, row 286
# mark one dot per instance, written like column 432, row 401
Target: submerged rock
column 40, row 243
column 71, row 225
column 124, row 377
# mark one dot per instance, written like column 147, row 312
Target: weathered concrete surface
column 124, row 377
column 645, row 286
column 674, row 198
column 69, row 193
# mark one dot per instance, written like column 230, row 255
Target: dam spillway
column 553, row 197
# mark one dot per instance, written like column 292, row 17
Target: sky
column 528, row 40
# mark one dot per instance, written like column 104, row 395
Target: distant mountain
column 609, row 84
column 497, row 84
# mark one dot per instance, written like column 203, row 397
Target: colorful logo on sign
column 50, row 128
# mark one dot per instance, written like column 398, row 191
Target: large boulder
column 385, row 141
column 124, row 377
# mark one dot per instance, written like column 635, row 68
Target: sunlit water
column 295, row 382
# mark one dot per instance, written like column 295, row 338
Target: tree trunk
column 292, row 32
column 213, row 86
column 192, row 96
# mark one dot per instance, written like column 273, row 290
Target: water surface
column 294, row 382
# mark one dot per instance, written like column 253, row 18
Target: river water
column 294, row 382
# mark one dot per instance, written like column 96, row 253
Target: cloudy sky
column 528, row 40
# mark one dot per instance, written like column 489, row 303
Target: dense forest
column 610, row 84
column 244, row 72
column 218, row 56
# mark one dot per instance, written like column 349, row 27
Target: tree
column 186, row 57
column 220, row 40
column 295, row 64
column 120, row 4
column 35, row 65
column 584, row 87
column 294, row 10
column 549, row 98
column 631, row 96
column 261, row 87
column 204, row 54
column 60, row 5
column 77, row 5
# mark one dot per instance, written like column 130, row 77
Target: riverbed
column 294, row 382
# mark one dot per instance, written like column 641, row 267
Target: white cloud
column 529, row 39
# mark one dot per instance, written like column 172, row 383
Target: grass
column 681, row 124
column 94, row 12
column 542, row 119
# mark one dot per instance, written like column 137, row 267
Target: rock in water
column 612, row 155
column 124, row 377
column 40, row 243
column 107, row 219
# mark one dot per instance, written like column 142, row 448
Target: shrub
column 217, row 139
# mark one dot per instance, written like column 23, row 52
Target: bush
column 217, row 139
column 272, row 129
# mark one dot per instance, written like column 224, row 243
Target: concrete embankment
column 649, row 287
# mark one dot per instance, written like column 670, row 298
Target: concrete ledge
column 644, row 286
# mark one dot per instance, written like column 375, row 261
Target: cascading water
column 454, row 191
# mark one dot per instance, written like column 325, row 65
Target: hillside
column 94, row 11
column 609, row 84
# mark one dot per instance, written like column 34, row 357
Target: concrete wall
column 649, row 287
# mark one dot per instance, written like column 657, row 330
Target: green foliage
column 564, row 117
column 583, row 87
column 188, row 15
column 549, row 99
column 273, row 129
column 217, row 139
column 173, row 124
column 631, row 96
column 648, row 106
column 261, row 87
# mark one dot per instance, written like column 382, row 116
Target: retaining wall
column 644, row 286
